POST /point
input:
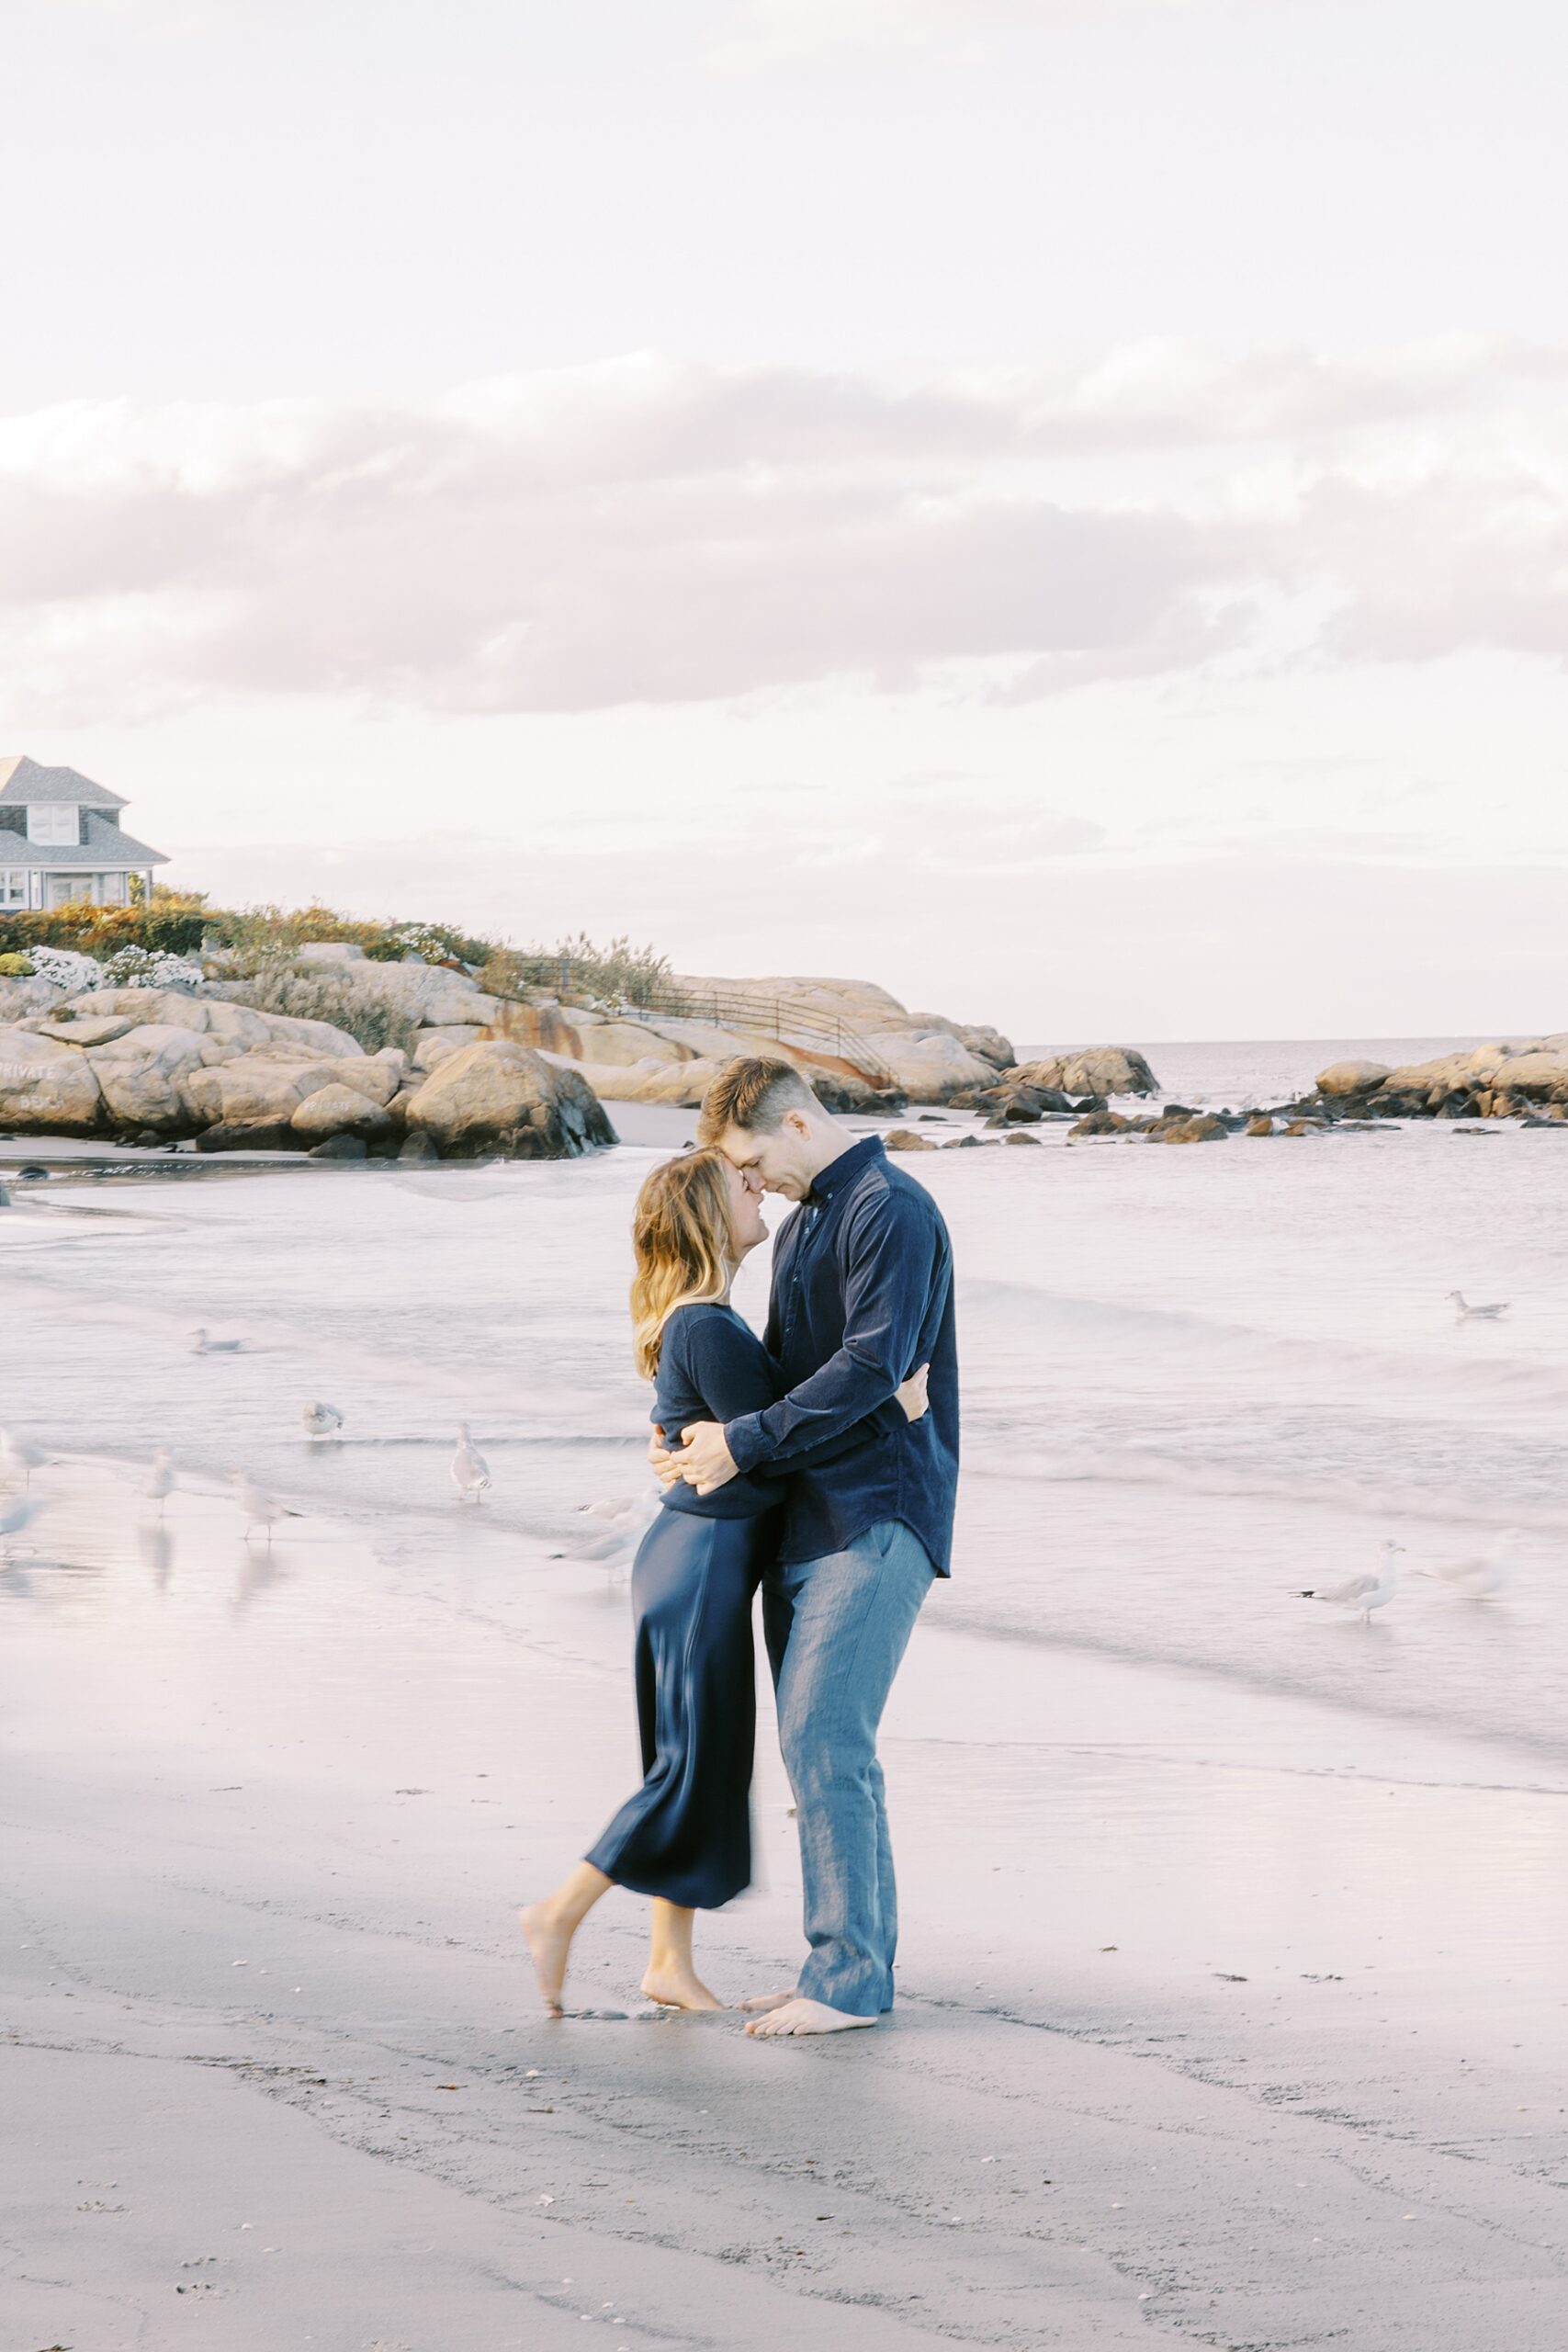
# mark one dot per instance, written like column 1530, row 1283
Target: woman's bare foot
column 801, row 2016
column 677, row 1987
column 550, row 1943
column 757, row 2002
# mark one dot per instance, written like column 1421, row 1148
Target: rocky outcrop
column 46, row 1088
column 1098, row 1069
column 143, row 1074
column 1491, row 1081
column 505, row 1098
column 339, row 1110
column 192, row 1064
column 1352, row 1078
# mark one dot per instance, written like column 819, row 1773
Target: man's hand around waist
column 704, row 1460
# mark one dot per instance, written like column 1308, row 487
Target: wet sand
column 1225, row 2019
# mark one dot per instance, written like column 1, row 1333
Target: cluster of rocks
column 1527, row 1080
column 160, row 1065
column 627, row 1054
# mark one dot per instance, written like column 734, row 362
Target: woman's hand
column 913, row 1395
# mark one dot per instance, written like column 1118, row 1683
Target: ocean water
column 1195, row 1381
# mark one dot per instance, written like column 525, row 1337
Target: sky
column 1057, row 506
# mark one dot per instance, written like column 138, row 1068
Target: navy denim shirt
column 862, row 1293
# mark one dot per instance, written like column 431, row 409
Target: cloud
column 644, row 531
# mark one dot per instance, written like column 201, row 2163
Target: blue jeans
column 837, row 1629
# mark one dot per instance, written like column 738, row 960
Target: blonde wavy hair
column 680, row 1238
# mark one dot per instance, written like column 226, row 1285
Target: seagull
column 160, row 1481
column 15, row 1513
column 260, row 1509
column 203, row 1344
column 623, row 1524
column 320, row 1421
column 470, row 1472
column 1488, row 1313
column 1484, row 1575
column 1363, row 1593
column 18, row 1459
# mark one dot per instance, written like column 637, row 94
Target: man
column 862, row 1295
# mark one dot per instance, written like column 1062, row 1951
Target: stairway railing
column 783, row 1018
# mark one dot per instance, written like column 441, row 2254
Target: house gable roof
column 24, row 780
column 105, row 849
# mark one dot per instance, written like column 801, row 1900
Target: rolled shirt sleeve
column 889, row 1256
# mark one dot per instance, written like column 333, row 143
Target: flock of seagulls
column 469, row 1470
column 1484, row 1575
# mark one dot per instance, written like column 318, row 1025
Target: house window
column 53, row 822
column 13, row 885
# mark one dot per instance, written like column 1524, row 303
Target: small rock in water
column 340, row 1148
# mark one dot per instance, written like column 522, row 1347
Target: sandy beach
column 1231, row 2013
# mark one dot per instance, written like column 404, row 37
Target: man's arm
column 891, row 1251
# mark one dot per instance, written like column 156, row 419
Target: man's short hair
column 754, row 1093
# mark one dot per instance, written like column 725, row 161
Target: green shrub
column 15, row 967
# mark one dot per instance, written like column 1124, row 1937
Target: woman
column 684, row 1838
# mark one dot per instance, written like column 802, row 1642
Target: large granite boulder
column 90, row 1029
column 684, row 1083
column 46, row 1088
column 1537, row 1073
column 290, row 1037
column 931, row 1068
column 503, row 1097
column 426, row 994
column 433, row 1047
column 339, row 1110
column 258, row 1087
column 629, row 1042
column 985, row 1043
column 169, row 1008
column 142, row 1074
column 1352, row 1078
column 18, row 998
column 1098, row 1069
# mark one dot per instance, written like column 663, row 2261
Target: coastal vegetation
column 261, row 944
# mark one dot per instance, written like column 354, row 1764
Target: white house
column 61, row 839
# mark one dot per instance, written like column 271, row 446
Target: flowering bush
column 64, row 968
column 150, row 968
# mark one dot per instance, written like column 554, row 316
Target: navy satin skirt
column 686, row 1834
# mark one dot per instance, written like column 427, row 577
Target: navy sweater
column 711, row 1366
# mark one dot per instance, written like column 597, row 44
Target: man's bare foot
column 675, row 1987
column 801, row 2016
column 760, row 2001
column 550, row 1943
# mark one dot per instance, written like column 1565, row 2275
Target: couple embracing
column 822, row 1467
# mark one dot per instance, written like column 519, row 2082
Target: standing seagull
column 15, row 1512
column 260, row 1509
column 470, row 1472
column 203, row 1344
column 160, row 1481
column 1468, row 1314
column 1363, row 1593
column 18, row 1459
column 320, row 1421
column 1484, row 1575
